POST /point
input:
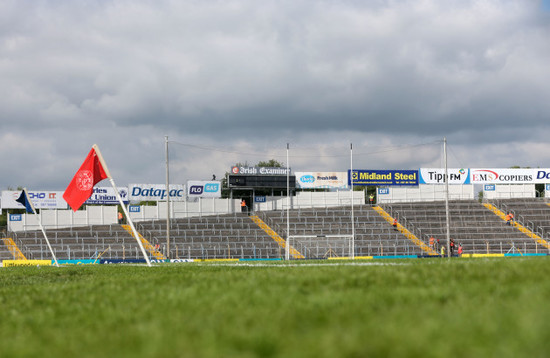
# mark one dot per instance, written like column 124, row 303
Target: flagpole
column 41, row 227
column 352, row 213
column 167, row 200
column 287, row 246
column 134, row 231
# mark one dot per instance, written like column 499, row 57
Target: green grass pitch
column 377, row 308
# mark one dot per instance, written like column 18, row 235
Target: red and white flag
column 81, row 187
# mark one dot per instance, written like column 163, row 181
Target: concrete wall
column 57, row 219
column 424, row 192
column 509, row 191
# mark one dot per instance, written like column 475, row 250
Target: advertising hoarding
column 260, row 171
column 107, row 196
column 155, row 192
column 321, row 180
column 437, row 175
column 384, row 177
column 204, row 189
column 509, row 176
column 40, row 199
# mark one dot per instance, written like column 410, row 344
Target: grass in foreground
column 416, row 308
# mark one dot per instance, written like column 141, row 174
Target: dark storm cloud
column 239, row 73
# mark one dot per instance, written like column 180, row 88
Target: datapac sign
column 155, row 192
column 204, row 189
column 384, row 177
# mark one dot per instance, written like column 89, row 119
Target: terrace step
column 13, row 249
column 409, row 235
column 146, row 244
column 520, row 227
column 295, row 253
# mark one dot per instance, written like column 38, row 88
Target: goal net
column 320, row 246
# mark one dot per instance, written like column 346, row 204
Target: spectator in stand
column 459, row 249
column 432, row 242
column 394, row 224
column 452, row 246
column 508, row 219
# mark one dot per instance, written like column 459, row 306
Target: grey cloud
column 116, row 71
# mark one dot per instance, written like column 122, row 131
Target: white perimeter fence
column 107, row 215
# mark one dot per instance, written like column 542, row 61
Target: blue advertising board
column 384, row 177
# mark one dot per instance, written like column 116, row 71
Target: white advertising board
column 107, row 196
column 321, row 180
column 437, row 176
column 155, row 192
column 509, row 176
column 40, row 199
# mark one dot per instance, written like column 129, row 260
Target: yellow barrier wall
column 12, row 263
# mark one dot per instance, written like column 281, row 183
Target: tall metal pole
column 167, row 199
column 352, row 212
column 287, row 246
column 447, row 198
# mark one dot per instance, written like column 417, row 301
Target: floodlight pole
column 287, row 246
column 447, row 198
column 352, row 254
column 167, row 200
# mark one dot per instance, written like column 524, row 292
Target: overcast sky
column 234, row 81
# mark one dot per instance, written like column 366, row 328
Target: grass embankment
column 416, row 308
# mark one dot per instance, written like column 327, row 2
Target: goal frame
column 343, row 249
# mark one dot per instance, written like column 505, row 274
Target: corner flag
column 81, row 187
column 24, row 200
column 92, row 171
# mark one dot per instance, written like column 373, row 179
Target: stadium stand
column 5, row 253
column 534, row 213
column 314, row 233
column 373, row 235
column 471, row 224
column 212, row 237
column 79, row 243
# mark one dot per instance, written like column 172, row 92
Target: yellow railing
column 146, row 244
column 539, row 240
column 13, row 249
column 403, row 230
column 278, row 239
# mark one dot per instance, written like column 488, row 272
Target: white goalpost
column 321, row 246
